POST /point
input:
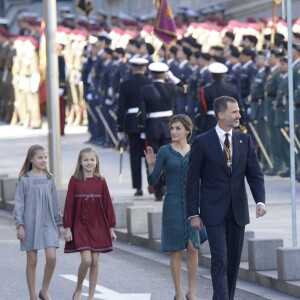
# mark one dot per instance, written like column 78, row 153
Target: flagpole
column 292, row 123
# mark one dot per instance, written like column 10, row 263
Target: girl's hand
column 21, row 233
column 150, row 157
column 68, row 235
column 113, row 235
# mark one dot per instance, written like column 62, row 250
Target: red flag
column 164, row 26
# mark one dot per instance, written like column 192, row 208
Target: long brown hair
column 27, row 166
column 78, row 174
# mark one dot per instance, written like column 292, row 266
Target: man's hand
column 196, row 222
column 260, row 210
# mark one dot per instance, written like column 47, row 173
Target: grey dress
column 176, row 229
column 36, row 207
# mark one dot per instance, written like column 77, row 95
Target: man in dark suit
column 127, row 122
column 221, row 159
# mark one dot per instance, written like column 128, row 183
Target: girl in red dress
column 88, row 218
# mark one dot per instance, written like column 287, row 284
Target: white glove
column 121, row 136
column 108, row 101
column 172, row 77
column 21, row 83
column 248, row 111
column 60, row 91
column 266, row 118
column 110, row 92
column 89, row 97
column 34, row 82
column 143, row 135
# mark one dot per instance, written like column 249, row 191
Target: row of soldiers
column 95, row 70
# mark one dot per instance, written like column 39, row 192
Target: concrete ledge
column 248, row 235
column 1, row 198
column 288, row 261
column 154, row 225
column 120, row 212
column 8, row 190
column 137, row 220
column 258, row 260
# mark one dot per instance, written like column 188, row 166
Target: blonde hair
column 79, row 174
column 185, row 121
column 27, row 166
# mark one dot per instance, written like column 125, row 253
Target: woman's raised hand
column 150, row 156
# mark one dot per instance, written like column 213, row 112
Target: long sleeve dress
column 36, row 208
column 176, row 229
column 89, row 214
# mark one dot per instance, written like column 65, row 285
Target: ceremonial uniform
column 271, row 85
column 205, row 118
column 156, row 108
column 257, row 107
column 281, row 117
column 127, row 121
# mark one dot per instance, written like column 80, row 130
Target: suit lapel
column 236, row 143
column 217, row 149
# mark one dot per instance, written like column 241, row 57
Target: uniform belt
column 132, row 110
column 160, row 114
column 210, row 112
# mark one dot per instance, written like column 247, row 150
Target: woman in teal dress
column 177, row 234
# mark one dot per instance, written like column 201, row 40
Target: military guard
column 281, row 120
column 256, row 100
column 272, row 83
column 186, row 72
column 127, row 122
column 156, row 109
column 248, row 71
column 205, row 118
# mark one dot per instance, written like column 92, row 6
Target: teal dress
column 176, row 230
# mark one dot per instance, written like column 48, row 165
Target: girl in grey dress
column 37, row 217
column 177, row 234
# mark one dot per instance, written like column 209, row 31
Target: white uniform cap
column 139, row 61
column 217, row 68
column 158, row 67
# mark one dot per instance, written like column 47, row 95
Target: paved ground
column 15, row 140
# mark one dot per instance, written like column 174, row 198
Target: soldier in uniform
column 281, row 119
column 91, row 95
column 62, row 84
column 205, row 118
column 127, row 121
column 156, row 109
column 248, row 71
column 256, row 100
column 183, row 56
column 29, row 83
column 296, row 85
column 234, row 67
column 272, row 83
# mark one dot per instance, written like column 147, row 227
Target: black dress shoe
column 138, row 192
column 150, row 189
column 270, row 172
column 158, row 198
column 41, row 296
column 285, row 174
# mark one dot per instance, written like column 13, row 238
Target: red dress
column 90, row 215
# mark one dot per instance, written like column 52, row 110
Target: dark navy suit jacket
column 209, row 176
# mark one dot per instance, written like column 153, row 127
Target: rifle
column 109, row 131
column 260, row 144
column 286, row 136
